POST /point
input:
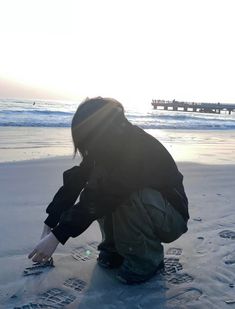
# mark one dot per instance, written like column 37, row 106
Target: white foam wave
column 29, row 113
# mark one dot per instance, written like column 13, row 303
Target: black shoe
column 127, row 276
column 108, row 259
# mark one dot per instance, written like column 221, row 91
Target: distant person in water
column 127, row 181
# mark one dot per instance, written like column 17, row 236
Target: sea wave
column 59, row 114
column 35, row 112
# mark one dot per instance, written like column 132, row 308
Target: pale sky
column 131, row 50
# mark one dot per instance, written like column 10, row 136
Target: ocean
column 40, row 129
column 29, row 113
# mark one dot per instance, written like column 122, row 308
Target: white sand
column 208, row 260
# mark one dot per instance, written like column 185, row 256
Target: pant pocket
column 175, row 226
column 154, row 205
column 133, row 248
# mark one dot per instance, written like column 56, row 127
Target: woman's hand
column 46, row 231
column 45, row 248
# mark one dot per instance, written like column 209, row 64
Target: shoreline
column 29, row 143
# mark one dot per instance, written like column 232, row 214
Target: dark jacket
column 105, row 182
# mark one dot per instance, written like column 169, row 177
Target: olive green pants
column 137, row 228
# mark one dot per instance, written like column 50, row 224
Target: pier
column 214, row 108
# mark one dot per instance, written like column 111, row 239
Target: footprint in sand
column 85, row 253
column 34, row 306
column 53, row 298
column 181, row 299
column 171, row 266
column 38, row 268
column 181, row 278
column 93, row 244
column 75, row 283
column 56, row 298
column 227, row 234
column 174, row 251
column 229, row 259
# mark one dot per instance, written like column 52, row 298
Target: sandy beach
column 199, row 270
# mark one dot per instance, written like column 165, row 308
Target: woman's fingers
column 45, row 248
column 32, row 253
column 38, row 257
column 45, row 259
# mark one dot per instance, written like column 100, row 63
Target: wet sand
column 30, row 143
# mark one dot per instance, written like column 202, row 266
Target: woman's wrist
column 53, row 238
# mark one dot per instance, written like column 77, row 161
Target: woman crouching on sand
column 127, row 181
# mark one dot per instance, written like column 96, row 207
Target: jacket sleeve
column 93, row 204
column 74, row 181
column 78, row 218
